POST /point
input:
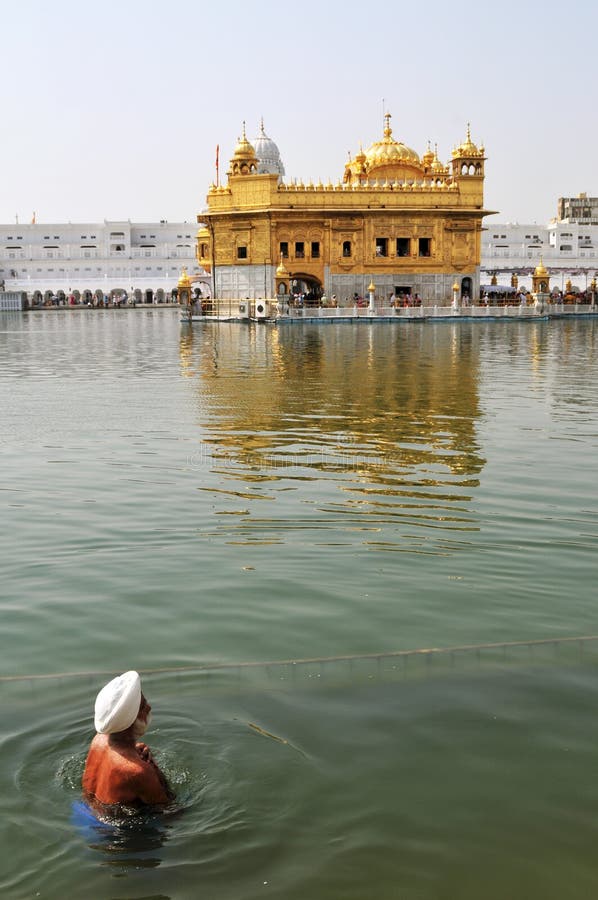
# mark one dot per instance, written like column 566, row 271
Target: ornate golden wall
column 251, row 218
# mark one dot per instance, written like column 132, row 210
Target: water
column 174, row 500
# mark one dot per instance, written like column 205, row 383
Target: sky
column 113, row 110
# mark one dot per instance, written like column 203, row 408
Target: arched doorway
column 306, row 290
column 466, row 288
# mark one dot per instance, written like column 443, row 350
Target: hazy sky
column 114, row 109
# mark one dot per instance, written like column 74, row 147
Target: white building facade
column 568, row 247
column 142, row 259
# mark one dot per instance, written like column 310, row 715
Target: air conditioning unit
column 244, row 306
column 261, row 309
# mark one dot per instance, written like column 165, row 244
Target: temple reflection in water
column 371, row 411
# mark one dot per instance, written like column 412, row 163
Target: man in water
column 119, row 768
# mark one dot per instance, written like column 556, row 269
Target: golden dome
column 244, row 160
column 244, row 149
column 281, row 271
column 428, row 157
column 184, row 280
column 468, row 148
column 540, row 269
column 388, row 155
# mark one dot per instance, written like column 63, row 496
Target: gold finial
column 387, row 128
column 468, row 132
column 371, row 287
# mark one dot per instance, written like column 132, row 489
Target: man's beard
column 140, row 726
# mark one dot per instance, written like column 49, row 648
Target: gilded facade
column 409, row 224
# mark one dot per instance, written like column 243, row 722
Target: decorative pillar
column 372, row 294
column 456, row 289
column 540, row 279
column 283, row 287
column 184, row 289
column 283, row 278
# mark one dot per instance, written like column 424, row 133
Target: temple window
column 403, row 246
column 346, row 248
column 284, row 249
column 424, row 246
column 299, row 250
column 381, row 246
column 315, row 249
column 242, row 252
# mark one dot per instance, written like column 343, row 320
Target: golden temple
column 410, row 225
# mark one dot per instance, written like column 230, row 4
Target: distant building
column 567, row 245
column 142, row 259
column 581, row 209
column 410, row 224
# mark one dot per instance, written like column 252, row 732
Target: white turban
column 118, row 703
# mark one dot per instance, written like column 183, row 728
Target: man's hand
column 144, row 752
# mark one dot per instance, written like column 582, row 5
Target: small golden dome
column 244, row 160
column 281, row 271
column 428, row 157
column 467, row 148
column 456, row 286
column 371, row 287
column 184, row 280
column 540, row 269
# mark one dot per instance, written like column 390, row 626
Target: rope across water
column 428, row 652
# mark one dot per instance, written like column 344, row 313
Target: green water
column 174, row 498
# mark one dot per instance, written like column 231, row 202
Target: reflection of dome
column 268, row 154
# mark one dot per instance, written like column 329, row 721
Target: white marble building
column 568, row 247
column 143, row 259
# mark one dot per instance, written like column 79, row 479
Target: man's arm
column 151, row 786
